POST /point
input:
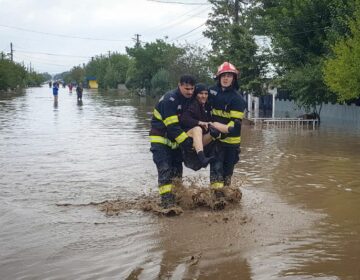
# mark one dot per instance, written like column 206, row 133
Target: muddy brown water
column 298, row 217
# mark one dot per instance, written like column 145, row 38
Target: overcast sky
column 56, row 35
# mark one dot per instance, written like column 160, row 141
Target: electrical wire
column 182, row 35
column 52, row 54
column 60, row 35
column 180, row 19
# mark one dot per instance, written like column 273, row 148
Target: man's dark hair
column 187, row 79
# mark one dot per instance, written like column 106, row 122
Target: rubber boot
column 203, row 159
column 167, row 200
column 219, row 194
column 220, row 201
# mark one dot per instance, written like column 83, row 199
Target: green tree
column 148, row 60
column 111, row 78
column 120, row 64
column 46, row 76
column 231, row 40
column 160, row 82
column 194, row 61
column 64, row 76
column 77, row 74
column 34, row 79
column 341, row 71
column 12, row 75
column 301, row 32
column 133, row 76
column 97, row 68
column 109, row 71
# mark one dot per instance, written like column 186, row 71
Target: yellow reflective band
column 165, row 188
column 181, row 138
column 163, row 140
column 220, row 113
column 171, row 120
column 230, row 123
column 217, row 185
column 157, row 115
column 237, row 114
column 231, row 140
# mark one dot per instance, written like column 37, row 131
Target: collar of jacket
column 230, row 88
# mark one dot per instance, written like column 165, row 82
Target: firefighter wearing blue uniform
column 166, row 136
column 228, row 108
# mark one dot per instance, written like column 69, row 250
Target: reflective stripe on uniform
column 165, row 188
column 220, row 113
column 163, row 140
column 181, row 137
column 230, row 123
column 157, row 115
column 236, row 114
column 231, row 140
column 217, row 185
column 171, row 120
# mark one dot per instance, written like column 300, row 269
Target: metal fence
column 286, row 122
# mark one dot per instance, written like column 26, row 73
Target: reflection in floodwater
column 296, row 219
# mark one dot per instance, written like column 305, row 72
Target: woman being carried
column 196, row 121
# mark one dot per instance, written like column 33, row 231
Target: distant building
column 92, row 82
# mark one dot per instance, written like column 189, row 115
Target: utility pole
column 237, row 8
column 11, row 52
column 137, row 40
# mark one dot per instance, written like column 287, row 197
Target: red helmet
column 226, row 67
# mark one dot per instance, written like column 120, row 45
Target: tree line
column 14, row 75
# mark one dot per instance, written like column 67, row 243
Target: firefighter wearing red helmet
column 228, row 108
column 226, row 67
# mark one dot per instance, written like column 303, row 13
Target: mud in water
column 187, row 198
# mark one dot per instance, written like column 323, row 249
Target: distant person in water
column 55, row 91
column 79, row 92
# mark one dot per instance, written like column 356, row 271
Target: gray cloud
column 51, row 34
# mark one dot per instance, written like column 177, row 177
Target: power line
column 178, row 20
column 60, row 35
column 42, row 59
column 54, row 54
column 182, row 35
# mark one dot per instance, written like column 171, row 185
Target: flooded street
column 298, row 217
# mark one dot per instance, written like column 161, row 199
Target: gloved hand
column 187, row 144
column 214, row 132
column 236, row 126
